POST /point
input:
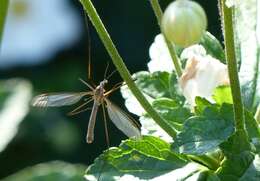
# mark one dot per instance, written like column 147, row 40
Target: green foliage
column 203, row 133
column 222, row 94
column 206, row 131
column 52, row 171
column 213, row 46
column 147, row 158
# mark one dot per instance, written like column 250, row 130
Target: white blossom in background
column 131, row 102
column 14, row 109
column 37, row 29
column 194, row 50
column 201, row 76
column 150, row 127
column 160, row 56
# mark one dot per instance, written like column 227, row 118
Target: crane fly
column 99, row 96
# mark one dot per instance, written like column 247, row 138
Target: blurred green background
column 49, row 134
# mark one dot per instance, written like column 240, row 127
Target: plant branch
column 119, row 64
column 3, row 13
column 232, row 66
column 158, row 13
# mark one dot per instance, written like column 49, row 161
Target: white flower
column 193, row 50
column 36, row 29
column 150, row 127
column 160, row 56
column 201, row 76
column 132, row 103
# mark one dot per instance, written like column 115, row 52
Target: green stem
column 123, row 71
column 3, row 13
column 158, row 13
column 208, row 161
column 232, row 66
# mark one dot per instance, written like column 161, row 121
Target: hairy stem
column 158, row 13
column 232, row 66
column 119, row 64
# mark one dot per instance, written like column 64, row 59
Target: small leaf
column 222, row 94
column 201, row 105
column 213, row 46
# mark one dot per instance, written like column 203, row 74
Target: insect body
column 121, row 120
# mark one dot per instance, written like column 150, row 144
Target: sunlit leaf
column 147, row 159
column 202, row 134
column 222, row 94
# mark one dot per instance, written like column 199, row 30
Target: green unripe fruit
column 184, row 22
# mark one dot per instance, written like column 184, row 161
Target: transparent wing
column 57, row 99
column 122, row 121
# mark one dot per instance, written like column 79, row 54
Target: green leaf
column 172, row 112
column 155, row 85
column 146, row 159
column 237, row 166
column 52, row 171
column 3, row 13
column 222, row 94
column 202, row 134
column 206, row 131
column 175, row 90
column 252, row 172
column 213, row 46
column 247, row 38
column 15, row 96
column 201, row 105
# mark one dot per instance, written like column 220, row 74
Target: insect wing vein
column 122, row 121
column 57, row 99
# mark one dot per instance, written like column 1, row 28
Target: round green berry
column 184, row 22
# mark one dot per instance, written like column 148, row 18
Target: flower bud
column 184, row 22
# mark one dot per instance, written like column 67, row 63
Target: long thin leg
column 91, row 123
column 80, row 111
column 89, row 45
column 84, row 82
column 73, row 112
column 105, row 124
column 117, row 86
